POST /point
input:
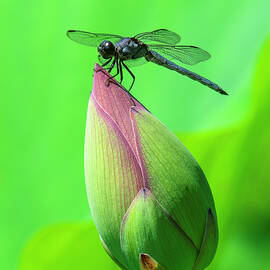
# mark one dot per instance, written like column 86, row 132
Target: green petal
column 111, row 255
column 112, row 176
column 148, row 229
column 174, row 176
column 209, row 243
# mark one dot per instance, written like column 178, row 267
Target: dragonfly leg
column 112, row 65
column 117, row 72
column 106, row 63
column 121, row 71
column 103, row 65
column 132, row 75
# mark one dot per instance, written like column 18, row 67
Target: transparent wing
column 160, row 35
column 189, row 55
column 135, row 62
column 91, row 39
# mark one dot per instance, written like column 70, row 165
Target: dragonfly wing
column 160, row 35
column 135, row 62
column 91, row 39
column 189, row 55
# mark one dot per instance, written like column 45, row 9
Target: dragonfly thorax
column 129, row 48
column 106, row 49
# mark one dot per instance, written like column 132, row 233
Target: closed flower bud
column 149, row 198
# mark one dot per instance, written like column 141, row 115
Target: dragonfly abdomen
column 156, row 58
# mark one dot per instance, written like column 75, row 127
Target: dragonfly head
column 106, row 49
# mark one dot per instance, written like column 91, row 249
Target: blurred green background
column 46, row 80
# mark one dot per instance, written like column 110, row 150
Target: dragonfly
column 159, row 47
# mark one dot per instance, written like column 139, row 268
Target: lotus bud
column 149, row 198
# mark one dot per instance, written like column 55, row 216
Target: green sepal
column 148, row 229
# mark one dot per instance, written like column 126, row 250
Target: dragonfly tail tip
column 222, row 92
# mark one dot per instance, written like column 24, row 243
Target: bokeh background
column 45, row 84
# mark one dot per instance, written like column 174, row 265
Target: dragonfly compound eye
column 106, row 49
